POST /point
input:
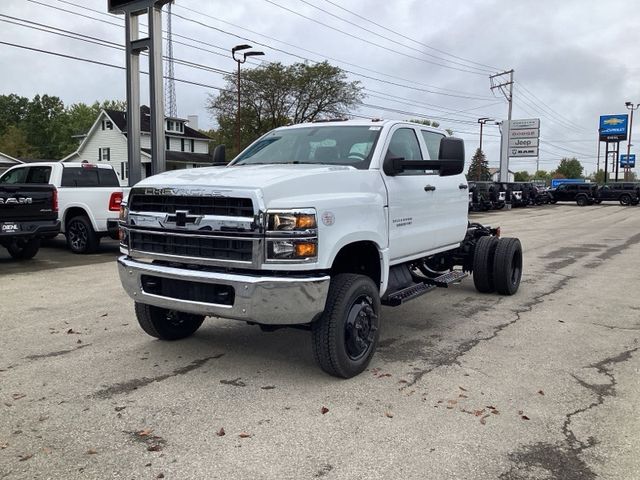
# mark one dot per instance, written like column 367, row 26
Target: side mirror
column 219, row 155
column 451, row 156
column 450, row 160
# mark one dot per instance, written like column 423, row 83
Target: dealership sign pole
column 132, row 9
column 613, row 130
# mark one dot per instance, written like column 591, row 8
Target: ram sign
column 613, row 128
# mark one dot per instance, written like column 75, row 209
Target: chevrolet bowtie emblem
column 182, row 217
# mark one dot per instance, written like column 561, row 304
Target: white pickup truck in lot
column 314, row 226
column 89, row 198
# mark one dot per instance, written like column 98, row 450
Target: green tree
column 14, row 142
column 479, row 168
column 542, row 175
column 428, row 123
column 274, row 95
column 13, row 110
column 521, row 176
column 598, row 177
column 569, row 168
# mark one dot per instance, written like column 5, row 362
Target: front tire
column 167, row 324
column 346, row 334
column 582, row 201
column 507, row 266
column 81, row 238
column 24, row 249
column 625, row 200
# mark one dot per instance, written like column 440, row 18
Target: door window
column 38, row 175
column 404, row 144
column 432, row 140
column 19, row 175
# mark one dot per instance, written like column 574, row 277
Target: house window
column 107, row 125
column 104, row 154
column 124, row 171
column 193, row 145
column 167, row 143
column 182, row 144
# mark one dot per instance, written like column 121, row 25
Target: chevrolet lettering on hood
column 189, row 192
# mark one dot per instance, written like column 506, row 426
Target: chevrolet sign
column 613, row 128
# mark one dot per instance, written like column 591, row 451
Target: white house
column 495, row 175
column 7, row 161
column 106, row 141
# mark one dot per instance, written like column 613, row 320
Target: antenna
column 170, row 106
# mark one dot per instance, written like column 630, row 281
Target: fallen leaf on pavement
column 146, row 432
column 156, row 447
column 221, row 432
column 462, row 395
column 3, row 445
column 388, row 414
column 452, row 402
column 324, row 410
column 119, row 409
column 160, row 475
column 25, row 457
column 520, row 412
column 244, row 435
column 483, row 420
column 92, row 451
column 540, row 392
column 47, row 450
column 524, row 417
column 462, row 388
column 18, row 396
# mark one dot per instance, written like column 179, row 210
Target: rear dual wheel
column 497, row 265
column 24, row 249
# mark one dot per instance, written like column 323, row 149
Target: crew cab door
column 420, row 202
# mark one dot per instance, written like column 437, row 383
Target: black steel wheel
column 81, row 238
column 483, row 264
column 346, row 334
column 24, row 249
column 507, row 266
column 167, row 324
column 582, row 201
column 625, row 199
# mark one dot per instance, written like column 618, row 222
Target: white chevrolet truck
column 313, row 226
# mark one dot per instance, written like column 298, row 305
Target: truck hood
column 241, row 177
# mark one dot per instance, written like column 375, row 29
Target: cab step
column 406, row 294
column 443, row 281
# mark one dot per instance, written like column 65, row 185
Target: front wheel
column 24, row 249
column 346, row 334
column 582, row 201
column 167, row 324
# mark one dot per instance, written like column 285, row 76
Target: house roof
column 8, row 160
column 120, row 119
column 185, row 157
column 496, row 170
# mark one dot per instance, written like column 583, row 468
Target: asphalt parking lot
column 541, row 385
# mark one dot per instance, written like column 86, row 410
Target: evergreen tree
column 479, row 168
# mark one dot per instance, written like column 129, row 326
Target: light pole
column 482, row 121
column 631, row 107
column 240, row 60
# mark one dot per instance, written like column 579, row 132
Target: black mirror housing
column 450, row 160
column 219, row 155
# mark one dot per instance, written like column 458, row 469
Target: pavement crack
column 136, row 383
column 451, row 357
column 56, row 354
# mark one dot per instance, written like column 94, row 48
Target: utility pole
column 631, row 107
column 498, row 82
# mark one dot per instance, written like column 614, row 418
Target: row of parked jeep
column 485, row 196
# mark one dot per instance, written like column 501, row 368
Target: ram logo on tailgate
column 16, row 201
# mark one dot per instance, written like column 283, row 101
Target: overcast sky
column 574, row 60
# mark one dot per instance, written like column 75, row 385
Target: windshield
column 326, row 145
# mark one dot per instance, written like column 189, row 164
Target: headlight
column 291, row 220
column 292, row 235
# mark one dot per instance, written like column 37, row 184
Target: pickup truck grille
column 192, row 246
column 223, row 206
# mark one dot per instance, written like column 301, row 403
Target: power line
column 494, row 69
column 575, row 125
column 372, row 43
column 350, row 23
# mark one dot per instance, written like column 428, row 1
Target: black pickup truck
column 28, row 212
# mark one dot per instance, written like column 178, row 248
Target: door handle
column 463, row 186
column 429, row 188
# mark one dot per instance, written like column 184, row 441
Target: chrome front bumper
column 268, row 300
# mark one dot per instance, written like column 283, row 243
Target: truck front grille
column 210, row 248
column 188, row 290
column 223, row 206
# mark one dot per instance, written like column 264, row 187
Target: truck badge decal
column 328, row 218
column 16, row 201
column 182, row 217
column 403, row 222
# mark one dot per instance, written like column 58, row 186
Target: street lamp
column 240, row 60
column 631, row 107
column 482, row 121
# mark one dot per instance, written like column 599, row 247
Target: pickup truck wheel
column 167, row 324
column 24, row 249
column 582, row 201
column 81, row 237
column 483, row 264
column 346, row 334
column 507, row 266
column 625, row 199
